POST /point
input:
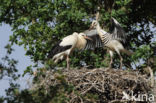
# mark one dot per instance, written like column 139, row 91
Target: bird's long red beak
column 86, row 37
column 91, row 27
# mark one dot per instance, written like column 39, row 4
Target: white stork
column 65, row 47
column 111, row 40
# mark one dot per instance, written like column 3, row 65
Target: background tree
column 8, row 71
column 39, row 24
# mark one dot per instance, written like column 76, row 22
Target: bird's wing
column 95, row 42
column 58, row 49
column 62, row 45
column 118, row 32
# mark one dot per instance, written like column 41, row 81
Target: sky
column 18, row 54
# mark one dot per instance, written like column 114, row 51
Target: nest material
column 106, row 85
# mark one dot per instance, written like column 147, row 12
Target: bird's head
column 94, row 24
column 75, row 33
column 85, row 36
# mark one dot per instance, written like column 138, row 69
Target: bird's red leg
column 68, row 66
column 110, row 64
column 121, row 59
column 111, row 55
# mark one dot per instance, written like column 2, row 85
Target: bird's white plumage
column 81, row 42
column 114, row 44
column 69, row 40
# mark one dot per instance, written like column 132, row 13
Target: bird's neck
column 98, row 28
column 81, row 42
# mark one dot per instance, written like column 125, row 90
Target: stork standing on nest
column 65, row 47
column 112, row 40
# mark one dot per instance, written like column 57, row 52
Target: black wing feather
column 96, row 40
column 58, row 49
column 118, row 32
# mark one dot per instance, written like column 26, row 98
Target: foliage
column 39, row 24
column 9, row 71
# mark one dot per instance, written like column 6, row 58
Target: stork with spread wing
column 112, row 40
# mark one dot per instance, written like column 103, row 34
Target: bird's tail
column 129, row 53
column 58, row 58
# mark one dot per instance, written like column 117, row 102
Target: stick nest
column 96, row 85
